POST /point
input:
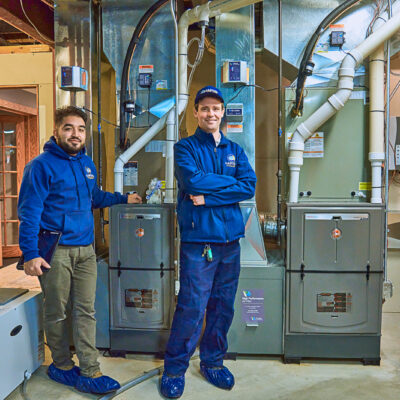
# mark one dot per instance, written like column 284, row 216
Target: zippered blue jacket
column 58, row 192
column 224, row 176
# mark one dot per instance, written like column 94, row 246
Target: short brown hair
column 63, row 112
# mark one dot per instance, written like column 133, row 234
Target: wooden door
column 12, row 162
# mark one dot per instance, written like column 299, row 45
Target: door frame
column 27, row 145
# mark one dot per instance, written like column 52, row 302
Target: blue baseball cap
column 208, row 91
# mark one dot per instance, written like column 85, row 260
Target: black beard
column 69, row 149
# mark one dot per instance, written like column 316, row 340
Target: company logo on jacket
column 230, row 161
column 89, row 174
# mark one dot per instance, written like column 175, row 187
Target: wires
column 237, row 92
column 199, row 56
column 103, row 119
column 378, row 10
column 36, row 29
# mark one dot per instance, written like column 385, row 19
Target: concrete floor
column 261, row 379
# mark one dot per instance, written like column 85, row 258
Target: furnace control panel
column 235, row 72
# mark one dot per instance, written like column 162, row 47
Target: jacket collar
column 205, row 137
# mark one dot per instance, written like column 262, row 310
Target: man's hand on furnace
column 134, row 198
column 198, row 200
column 32, row 267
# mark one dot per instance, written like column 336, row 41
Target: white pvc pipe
column 336, row 101
column 376, row 121
column 129, row 153
column 169, row 158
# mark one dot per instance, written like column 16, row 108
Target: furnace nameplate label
column 131, row 173
column 334, row 302
column 142, row 299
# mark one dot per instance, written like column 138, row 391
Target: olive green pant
column 69, row 289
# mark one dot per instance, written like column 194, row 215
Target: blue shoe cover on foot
column 102, row 384
column 218, row 376
column 172, row 386
column 66, row 377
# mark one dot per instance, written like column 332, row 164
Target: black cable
column 103, row 119
column 148, row 15
column 237, row 91
column 308, row 52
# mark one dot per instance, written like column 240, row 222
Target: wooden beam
column 34, row 48
column 16, row 108
column 40, row 15
column 50, row 3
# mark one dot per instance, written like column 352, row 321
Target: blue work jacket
column 223, row 176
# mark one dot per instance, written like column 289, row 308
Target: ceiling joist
column 41, row 25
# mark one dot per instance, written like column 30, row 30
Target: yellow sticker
column 364, row 185
column 162, row 184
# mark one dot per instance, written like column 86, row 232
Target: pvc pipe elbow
column 119, row 165
column 302, row 133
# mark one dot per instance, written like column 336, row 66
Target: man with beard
column 58, row 193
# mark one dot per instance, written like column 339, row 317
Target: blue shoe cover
column 172, row 386
column 68, row 377
column 102, row 384
column 218, row 376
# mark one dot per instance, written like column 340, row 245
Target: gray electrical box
column 334, row 281
column 141, row 275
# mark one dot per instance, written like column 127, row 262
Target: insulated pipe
column 336, row 101
column 376, row 153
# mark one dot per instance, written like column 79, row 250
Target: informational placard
column 161, row 84
column 314, row 146
column 252, row 306
column 131, row 173
column 156, row 146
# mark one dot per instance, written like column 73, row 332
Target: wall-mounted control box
column 74, row 78
column 235, row 72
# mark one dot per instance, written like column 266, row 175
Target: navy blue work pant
column 204, row 285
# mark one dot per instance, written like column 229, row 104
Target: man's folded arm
column 244, row 189
column 193, row 180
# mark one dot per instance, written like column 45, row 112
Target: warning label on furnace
column 334, row 302
column 313, row 146
column 142, row 299
column 253, row 306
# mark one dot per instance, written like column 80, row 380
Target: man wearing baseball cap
column 213, row 175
